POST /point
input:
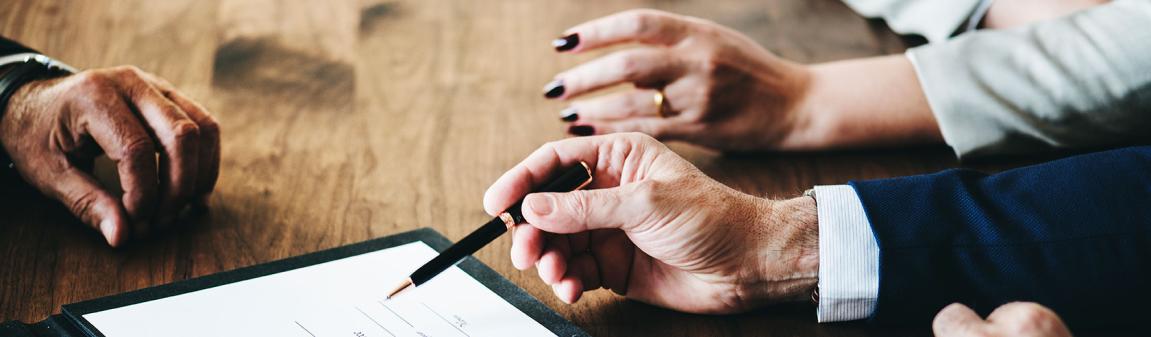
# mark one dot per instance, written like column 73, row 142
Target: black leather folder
column 71, row 323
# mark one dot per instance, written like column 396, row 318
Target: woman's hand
column 656, row 229
column 53, row 129
column 720, row 88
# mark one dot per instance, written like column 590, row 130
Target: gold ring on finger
column 660, row 106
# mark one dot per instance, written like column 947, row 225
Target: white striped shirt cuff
column 848, row 256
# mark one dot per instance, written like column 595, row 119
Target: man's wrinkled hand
column 166, row 147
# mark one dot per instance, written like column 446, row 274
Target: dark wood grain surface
column 349, row 120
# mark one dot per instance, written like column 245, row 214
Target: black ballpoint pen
column 571, row 179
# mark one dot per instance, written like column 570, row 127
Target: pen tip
column 403, row 285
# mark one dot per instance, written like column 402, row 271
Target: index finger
column 110, row 123
column 605, row 155
column 645, row 26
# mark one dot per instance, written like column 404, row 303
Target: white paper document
column 340, row 298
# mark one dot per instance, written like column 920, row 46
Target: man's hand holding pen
column 635, row 230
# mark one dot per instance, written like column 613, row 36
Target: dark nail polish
column 581, row 130
column 554, row 89
column 566, row 43
column 569, row 115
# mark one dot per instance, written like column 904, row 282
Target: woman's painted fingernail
column 566, row 43
column 581, row 130
column 569, row 115
column 554, row 89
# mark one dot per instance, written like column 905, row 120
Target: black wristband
column 16, row 76
column 19, row 75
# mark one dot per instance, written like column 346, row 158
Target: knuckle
column 128, row 71
column 129, row 75
column 82, row 202
column 627, row 66
column 209, row 127
column 709, row 64
column 549, row 146
column 138, row 148
column 1031, row 317
column 577, row 205
column 641, row 138
column 90, row 81
column 643, row 21
column 184, row 131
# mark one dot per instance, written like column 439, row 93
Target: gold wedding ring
column 660, row 107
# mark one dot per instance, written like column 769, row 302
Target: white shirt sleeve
column 848, row 256
column 936, row 21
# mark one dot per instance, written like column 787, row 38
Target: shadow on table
column 626, row 318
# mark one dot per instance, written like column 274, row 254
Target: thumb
column 956, row 320
column 85, row 198
column 576, row 211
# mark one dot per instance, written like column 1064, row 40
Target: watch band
column 24, row 57
column 24, row 68
column 33, row 67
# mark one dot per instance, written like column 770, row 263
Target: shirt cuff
column 848, row 256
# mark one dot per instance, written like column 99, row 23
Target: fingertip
column 953, row 318
column 539, row 205
column 581, row 130
column 569, row 289
column 110, row 220
column 566, row 43
column 558, row 293
column 554, row 89
column 504, row 192
column 519, row 255
column 551, row 267
column 526, row 246
column 489, row 203
column 111, row 232
column 519, row 263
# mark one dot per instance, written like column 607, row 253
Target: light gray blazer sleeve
column 935, row 20
column 1080, row 81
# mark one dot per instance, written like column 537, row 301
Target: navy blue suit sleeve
column 1072, row 234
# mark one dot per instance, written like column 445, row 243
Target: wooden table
column 349, row 120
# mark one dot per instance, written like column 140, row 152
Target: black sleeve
column 9, row 47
